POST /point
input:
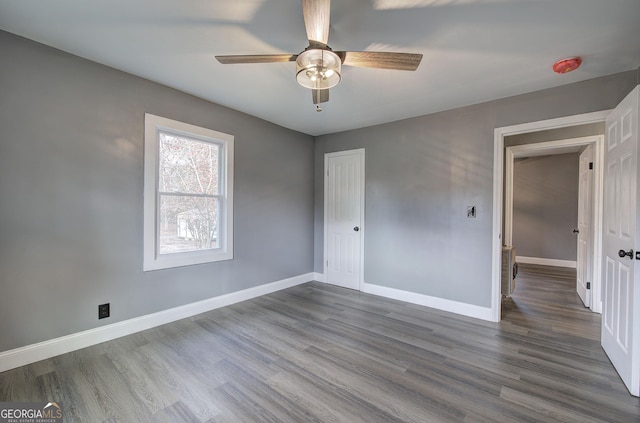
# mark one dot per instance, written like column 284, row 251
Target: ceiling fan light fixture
column 318, row 69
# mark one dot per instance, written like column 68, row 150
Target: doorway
column 587, row 264
column 503, row 189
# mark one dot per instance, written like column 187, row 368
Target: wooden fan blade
column 380, row 60
column 320, row 96
column 316, row 19
column 256, row 58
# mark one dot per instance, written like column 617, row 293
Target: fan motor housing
column 318, row 69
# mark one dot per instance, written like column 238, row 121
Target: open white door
column 621, row 295
column 344, row 218
column 585, row 249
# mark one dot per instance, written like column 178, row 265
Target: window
column 188, row 194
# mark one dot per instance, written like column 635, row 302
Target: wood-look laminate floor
column 318, row 353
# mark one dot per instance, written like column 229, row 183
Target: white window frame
column 152, row 259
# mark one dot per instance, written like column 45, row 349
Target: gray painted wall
column 545, row 206
column 71, row 178
column 422, row 173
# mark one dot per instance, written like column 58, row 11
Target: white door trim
column 499, row 184
column 360, row 153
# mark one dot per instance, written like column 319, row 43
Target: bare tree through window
column 189, row 193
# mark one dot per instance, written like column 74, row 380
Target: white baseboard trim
column 42, row 350
column 546, row 262
column 319, row 277
column 470, row 310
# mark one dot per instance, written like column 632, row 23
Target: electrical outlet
column 103, row 311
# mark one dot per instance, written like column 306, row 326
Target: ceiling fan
column 318, row 67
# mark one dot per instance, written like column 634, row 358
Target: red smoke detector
column 567, row 65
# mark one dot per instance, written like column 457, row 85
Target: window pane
column 188, row 223
column 187, row 165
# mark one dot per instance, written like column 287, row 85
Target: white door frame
column 557, row 147
column 360, row 153
column 499, row 185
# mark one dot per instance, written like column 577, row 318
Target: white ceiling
column 474, row 50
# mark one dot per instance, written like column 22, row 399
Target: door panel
column 344, row 184
column 609, row 281
column 622, row 288
column 621, row 314
column 585, row 245
column 626, row 221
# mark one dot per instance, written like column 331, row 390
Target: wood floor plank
column 388, row 390
column 252, row 398
column 551, row 412
column 175, row 413
column 80, row 401
column 317, row 352
column 133, row 367
column 348, row 384
column 179, row 377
